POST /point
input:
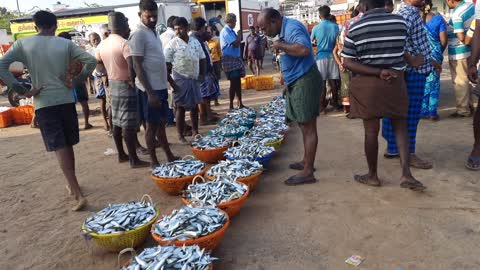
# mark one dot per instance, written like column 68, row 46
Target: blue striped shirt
column 459, row 22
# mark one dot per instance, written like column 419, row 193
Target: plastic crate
column 22, row 115
column 264, row 82
column 6, row 119
column 248, row 82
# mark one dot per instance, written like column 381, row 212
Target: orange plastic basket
column 251, row 181
column 6, row 119
column 175, row 186
column 208, row 242
column 248, row 82
column 210, row 155
column 264, row 82
column 22, row 115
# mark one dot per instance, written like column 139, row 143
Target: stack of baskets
column 21, row 115
column 264, row 82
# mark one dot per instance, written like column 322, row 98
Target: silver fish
column 234, row 169
column 250, row 151
column 261, row 134
column 242, row 112
column 228, row 130
column 211, row 142
column 214, row 192
column 238, row 120
column 179, row 168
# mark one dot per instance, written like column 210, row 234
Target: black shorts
column 58, row 125
column 80, row 92
column 151, row 114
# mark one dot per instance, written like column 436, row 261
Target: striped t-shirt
column 377, row 39
column 459, row 22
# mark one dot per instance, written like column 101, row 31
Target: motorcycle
column 24, row 79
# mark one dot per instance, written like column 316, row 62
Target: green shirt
column 47, row 59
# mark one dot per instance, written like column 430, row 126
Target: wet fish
column 238, row 120
column 242, row 112
column 120, row 217
column 249, row 151
column 261, row 134
column 190, row 222
column 234, row 169
column 275, row 107
column 171, row 258
column 211, row 142
column 228, row 130
column 179, row 168
column 214, row 192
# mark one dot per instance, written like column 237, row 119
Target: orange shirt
column 113, row 52
column 215, row 49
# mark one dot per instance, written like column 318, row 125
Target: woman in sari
column 436, row 29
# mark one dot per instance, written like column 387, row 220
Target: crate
column 22, row 115
column 264, row 82
column 6, row 119
column 248, row 82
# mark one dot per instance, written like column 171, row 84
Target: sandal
column 364, row 179
column 298, row 166
column 300, row 180
column 418, row 163
column 413, row 185
column 473, row 163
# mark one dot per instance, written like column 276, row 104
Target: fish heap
column 228, row 130
column 272, row 122
column 211, row 142
column 171, row 258
column 234, row 169
column 179, row 168
column 120, row 218
column 238, row 120
column 190, row 222
column 261, row 134
column 276, row 107
column 214, row 192
column 242, row 112
column 249, row 151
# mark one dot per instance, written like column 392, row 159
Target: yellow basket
column 115, row 242
column 248, row 82
column 275, row 144
column 264, row 82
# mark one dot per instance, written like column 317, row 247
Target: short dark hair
column 198, row 23
column 65, row 35
column 324, row 11
column 180, row 21
column 170, row 21
column 271, row 13
column 374, row 3
column 148, row 5
column 231, row 17
column 44, row 19
column 388, row 2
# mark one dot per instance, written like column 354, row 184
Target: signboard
column 81, row 24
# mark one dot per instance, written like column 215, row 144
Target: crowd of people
column 380, row 67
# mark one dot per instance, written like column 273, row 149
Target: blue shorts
column 99, row 82
column 149, row 114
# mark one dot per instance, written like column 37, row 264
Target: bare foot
column 182, row 140
column 134, row 164
column 368, row 180
column 79, row 204
column 123, row 158
column 419, row 163
column 69, row 190
column 88, row 126
column 412, row 184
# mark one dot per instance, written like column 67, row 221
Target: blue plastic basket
column 262, row 160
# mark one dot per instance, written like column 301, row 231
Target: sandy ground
column 307, row 227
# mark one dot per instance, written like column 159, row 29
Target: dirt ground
column 308, row 227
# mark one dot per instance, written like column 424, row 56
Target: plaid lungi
column 416, row 91
column 124, row 105
column 230, row 64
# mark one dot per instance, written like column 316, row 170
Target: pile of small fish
column 171, row 258
column 276, row 107
column 234, row 169
column 238, row 120
column 272, row 122
column 261, row 134
column 249, row 151
column 179, row 168
column 190, row 222
column 120, row 218
column 229, row 130
column 243, row 112
column 211, row 142
column 214, row 192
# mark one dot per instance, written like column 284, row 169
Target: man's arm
column 131, row 71
column 475, row 56
column 89, row 62
column 358, row 68
column 141, row 74
column 295, row 49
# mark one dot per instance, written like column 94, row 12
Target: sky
column 26, row 5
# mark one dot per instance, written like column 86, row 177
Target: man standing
column 232, row 60
column 376, row 57
column 114, row 52
column 151, row 79
column 458, row 53
column 473, row 162
column 53, row 98
column 251, row 52
column 325, row 35
column 419, row 63
column 304, row 84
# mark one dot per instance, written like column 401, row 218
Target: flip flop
column 299, row 180
column 419, row 163
column 298, row 166
column 413, row 185
column 473, row 163
column 364, row 179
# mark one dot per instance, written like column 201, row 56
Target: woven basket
column 264, row 82
column 22, row 115
column 210, row 155
column 6, row 119
column 251, row 181
column 232, row 207
column 115, row 242
column 248, row 82
column 175, row 186
column 208, row 242
column 276, row 143
column 132, row 256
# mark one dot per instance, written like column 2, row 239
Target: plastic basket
column 6, row 119
column 251, row 180
column 232, row 135
column 175, row 186
column 210, row 155
column 262, row 160
column 208, row 242
column 22, row 115
column 132, row 257
column 248, row 82
column 117, row 241
column 264, row 82
column 276, row 143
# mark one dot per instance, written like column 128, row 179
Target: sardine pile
column 262, row 135
column 234, row 169
column 211, row 142
column 250, row 151
column 171, row 258
column 273, row 123
column 120, row 218
column 229, row 130
column 214, row 192
column 190, row 222
column 276, row 107
column 238, row 120
column 243, row 112
column 179, row 168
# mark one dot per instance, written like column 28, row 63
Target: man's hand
column 387, row 75
column 473, row 73
column 153, row 101
column 278, row 45
column 33, row 92
column 67, row 81
column 414, row 61
column 342, row 68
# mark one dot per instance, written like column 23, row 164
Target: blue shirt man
column 227, row 37
column 325, row 33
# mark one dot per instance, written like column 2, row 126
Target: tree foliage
column 5, row 17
